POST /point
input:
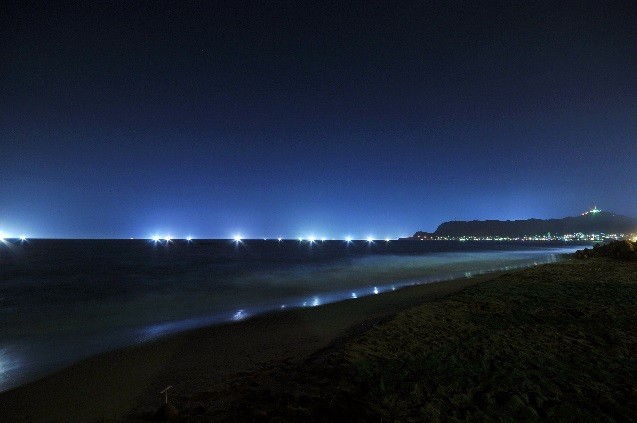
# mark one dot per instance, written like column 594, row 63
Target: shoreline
column 110, row 385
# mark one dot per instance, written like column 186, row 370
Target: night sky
column 127, row 119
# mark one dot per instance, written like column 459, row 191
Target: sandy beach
column 116, row 384
column 497, row 345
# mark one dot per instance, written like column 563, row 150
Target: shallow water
column 63, row 300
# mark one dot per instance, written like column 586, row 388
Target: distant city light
column 156, row 238
column 188, row 238
column 237, row 238
column 280, row 239
column 168, row 238
column 323, row 239
column 593, row 211
column 301, row 239
column 311, row 239
column 386, row 239
column 348, row 239
column 23, row 238
column 370, row 239
column 375, row 290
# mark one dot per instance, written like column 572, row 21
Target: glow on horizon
column 237, row 238
column 169, row 238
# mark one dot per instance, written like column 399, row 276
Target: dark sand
column 554, row 342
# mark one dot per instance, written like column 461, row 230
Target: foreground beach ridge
column 552, row 341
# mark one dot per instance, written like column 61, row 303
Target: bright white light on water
column 348, row 239
column 280, row 239
column 375, row 290
column 323, row 239
column 386, row 239
column 156, row 238
column 370, row 239
column 239, row 315
column 188, row 238
column 300, row 239
column 354, row 295
column 316, row 301
column 311, row 239
column 23, row 238
column 168, row 238
column 237, row 238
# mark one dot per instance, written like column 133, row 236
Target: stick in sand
column 165, row 392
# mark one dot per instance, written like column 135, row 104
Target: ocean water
column 64, row 300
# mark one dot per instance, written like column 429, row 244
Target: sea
column 65, row 300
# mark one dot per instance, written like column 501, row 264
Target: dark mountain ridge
column 594, row 221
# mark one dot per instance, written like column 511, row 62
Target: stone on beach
column 166, row 412
column 624, row 249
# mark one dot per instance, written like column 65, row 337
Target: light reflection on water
column 10, row 365
column 240, row 315
column 154, row 331
column 146, row 309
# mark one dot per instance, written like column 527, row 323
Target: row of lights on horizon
column 238, row 239
column 312, row 240
column 168, row 238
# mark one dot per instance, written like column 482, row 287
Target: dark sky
column 126, row 119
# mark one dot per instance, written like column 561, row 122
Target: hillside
column 594, row 221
